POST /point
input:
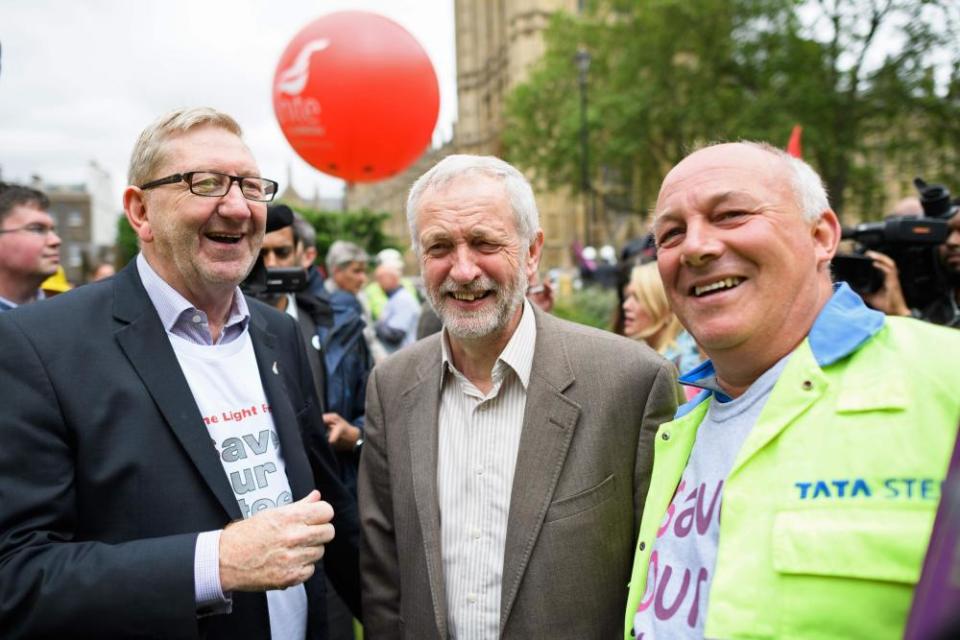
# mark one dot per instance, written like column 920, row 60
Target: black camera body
column 910, row 241
column 275, row 280
column 262, row 282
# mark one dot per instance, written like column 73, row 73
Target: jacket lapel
column 800, row 385
column 272, row 371
column 549, row 421
column 671, row 451
column 143, row 340
column 420, row 408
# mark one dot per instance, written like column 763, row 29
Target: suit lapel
column 420, row 408
column 143, row 340
column 549, row 421
column 272, row 372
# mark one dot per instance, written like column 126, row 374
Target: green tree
column 127, row 244
column 667, row 75
column 363, row 227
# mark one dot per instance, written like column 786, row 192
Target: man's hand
column 341, row 434
column 276, row 548
column 889, row 298
column 541, row 294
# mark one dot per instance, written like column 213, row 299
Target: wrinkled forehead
column 471, row 186
column 724, row 173
column 208, row 147
column 469, row 199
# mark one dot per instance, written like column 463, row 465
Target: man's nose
column 53, row 239
column 233, row 204
column 269, row 258
column 464, row 268
column 700, row 244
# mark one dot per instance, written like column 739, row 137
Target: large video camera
column 266, row 283
column 911, row 241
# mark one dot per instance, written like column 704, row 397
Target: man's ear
column 308, row 257
column 826, row 237
column 534, row 254
column 135, row 208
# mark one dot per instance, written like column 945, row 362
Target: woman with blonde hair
column 647, row 316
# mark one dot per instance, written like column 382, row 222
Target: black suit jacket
column 107, row 473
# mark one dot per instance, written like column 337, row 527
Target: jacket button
column 807, row 385
column 665, row 435
column 643, row 545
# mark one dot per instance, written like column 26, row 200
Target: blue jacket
column 348, row 364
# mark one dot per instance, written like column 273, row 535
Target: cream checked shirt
column 479, row 437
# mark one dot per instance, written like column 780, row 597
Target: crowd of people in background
column 485, row 469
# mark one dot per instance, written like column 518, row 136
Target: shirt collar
column 170, row 304
column 518, row 354
column 13, row 305
column 291, row 308
column 843, row 324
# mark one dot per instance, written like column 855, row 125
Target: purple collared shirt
column 184, row 320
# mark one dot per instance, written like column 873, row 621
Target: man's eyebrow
column 664, row 215
column 483, row 233
column 711, row 202
column 434, row 234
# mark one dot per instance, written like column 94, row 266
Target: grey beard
column 489, row 322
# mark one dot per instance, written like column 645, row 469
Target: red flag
column 793, row 147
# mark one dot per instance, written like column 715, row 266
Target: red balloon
column 356, row 96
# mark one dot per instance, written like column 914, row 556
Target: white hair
column 519, row 191
column 808, row 187
column 342, row 253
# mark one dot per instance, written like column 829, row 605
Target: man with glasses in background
column 29, row 245
column 155, row 473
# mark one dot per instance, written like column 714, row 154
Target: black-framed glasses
column 212, row 184
column 36, row 228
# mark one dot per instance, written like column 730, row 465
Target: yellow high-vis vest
column 826, row 515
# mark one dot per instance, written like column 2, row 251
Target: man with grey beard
column 507, row 458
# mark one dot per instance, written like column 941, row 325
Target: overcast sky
column 80, row 80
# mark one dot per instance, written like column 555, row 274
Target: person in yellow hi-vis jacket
column 794, row 496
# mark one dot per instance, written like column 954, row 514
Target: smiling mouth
column 720, row 285
column 468, row 296
column 224, row 238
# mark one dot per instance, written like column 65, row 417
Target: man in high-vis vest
column 794, row 496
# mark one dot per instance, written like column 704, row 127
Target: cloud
column 79, row 81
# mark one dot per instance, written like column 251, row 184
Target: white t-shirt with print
column 226, row 385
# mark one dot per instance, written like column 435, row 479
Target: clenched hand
column 276, row 548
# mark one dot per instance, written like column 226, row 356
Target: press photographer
column 945, row 309
column 336, row 352
column 905, row 264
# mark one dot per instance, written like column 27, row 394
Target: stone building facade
column 497, row 41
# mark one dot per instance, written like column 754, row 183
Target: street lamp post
column 583, row 67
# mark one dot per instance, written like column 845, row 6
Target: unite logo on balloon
column 299, row 113
column 356, row 96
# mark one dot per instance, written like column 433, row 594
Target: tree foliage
column 668, row 75
column 127, row 245
column 363, row 227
